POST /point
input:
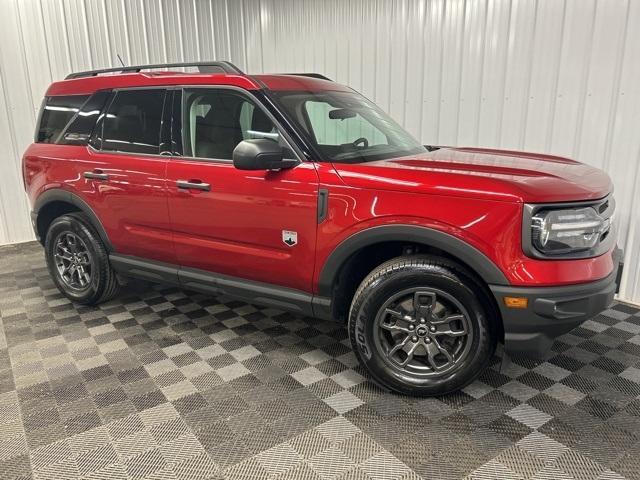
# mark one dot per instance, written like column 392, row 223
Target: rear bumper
column 552, row 311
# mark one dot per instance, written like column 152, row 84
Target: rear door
column 124, row 174
column 255, row 225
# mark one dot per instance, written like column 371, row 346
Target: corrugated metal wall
column 558, row 76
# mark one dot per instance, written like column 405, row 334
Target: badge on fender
column 290, row 238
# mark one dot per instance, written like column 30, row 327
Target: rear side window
column 132, row 123
column 56, row 114
column 80, row 128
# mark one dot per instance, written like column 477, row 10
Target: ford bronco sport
column 296, row 192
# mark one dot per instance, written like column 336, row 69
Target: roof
column 297, row 82
column 89, row 84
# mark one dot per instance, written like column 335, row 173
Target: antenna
column 120, row 58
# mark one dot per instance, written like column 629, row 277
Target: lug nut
column 414, row 339
column 427, row 340
column 432, row 328
column 422, row 320
column 411, row 327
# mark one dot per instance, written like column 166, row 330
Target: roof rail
column 312, row 75
column 203, row 67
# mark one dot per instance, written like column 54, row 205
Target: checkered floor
column 162, row 383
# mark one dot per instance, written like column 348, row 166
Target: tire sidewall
column 73, row 225
column 362, row 328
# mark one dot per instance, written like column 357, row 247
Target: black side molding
column 471, row 256
column 150, row 270
column 289, row 299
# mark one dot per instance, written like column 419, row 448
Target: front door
column 254, row 225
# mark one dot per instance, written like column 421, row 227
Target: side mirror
column 260, row 154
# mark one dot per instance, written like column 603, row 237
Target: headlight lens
column 558, row 232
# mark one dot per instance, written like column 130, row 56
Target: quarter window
column 133, row 120
column 79, row 129
column 55, row 114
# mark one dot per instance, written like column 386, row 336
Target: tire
column 90, row 256
column 403, row 350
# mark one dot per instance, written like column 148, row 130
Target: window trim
column 242, row 92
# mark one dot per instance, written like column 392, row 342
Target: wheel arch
column 56, row 202
column 466, row 253
column 337, row 278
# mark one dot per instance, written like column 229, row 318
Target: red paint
column 87, row 85
column 483, row 174
column 132, row 205
column 235, row 229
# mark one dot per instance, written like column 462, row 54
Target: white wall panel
column 558, row 76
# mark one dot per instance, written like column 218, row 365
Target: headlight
column 558, row 232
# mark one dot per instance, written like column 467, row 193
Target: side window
column 339, row 126
column 254, row 123
column 56, row 113
column 215, row 121
column 133, row 120
column 80, row 128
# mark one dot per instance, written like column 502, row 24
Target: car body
column 303, row 232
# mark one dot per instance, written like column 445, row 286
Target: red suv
column 296, row 192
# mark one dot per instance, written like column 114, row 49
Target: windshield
column 346, row 127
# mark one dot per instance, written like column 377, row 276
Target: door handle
column 193, row 185
column 96, row 175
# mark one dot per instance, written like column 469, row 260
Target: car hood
column 484, row 174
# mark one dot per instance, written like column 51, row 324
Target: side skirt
column 292, row 300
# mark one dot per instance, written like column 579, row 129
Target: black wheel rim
column 423, row 333
column 73, row 261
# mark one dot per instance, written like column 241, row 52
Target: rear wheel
column 78, row 261
column 420, row 326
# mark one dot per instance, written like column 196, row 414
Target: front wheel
column 420, row 326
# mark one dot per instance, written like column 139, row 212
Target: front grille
column 606, row 209
column 603, row 206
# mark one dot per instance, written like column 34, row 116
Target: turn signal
column 516, row 302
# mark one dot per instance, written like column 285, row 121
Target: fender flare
column 471, row 256
column 59, row 195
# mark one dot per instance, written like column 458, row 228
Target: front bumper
column 552, row 311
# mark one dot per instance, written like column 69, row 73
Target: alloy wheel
column 73, row 261
column 423, row 332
